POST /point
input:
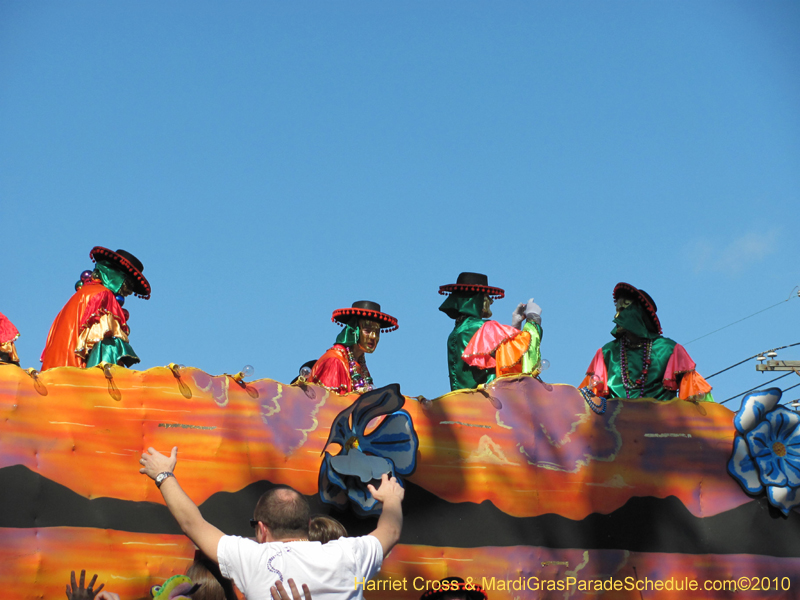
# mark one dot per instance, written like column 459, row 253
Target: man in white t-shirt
column 282, row 549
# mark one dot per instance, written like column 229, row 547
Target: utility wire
column 791, row 388
column 752, row 357
column 758, row 386
column 791, row 295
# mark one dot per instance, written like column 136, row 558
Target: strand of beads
column 623, row 362
column 360, row 383
column 86, row 276
column 587, row 394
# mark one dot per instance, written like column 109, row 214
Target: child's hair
column 214, row 585
column 323, row 528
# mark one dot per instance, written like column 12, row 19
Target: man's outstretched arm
column 201, row 532
column 390, row 523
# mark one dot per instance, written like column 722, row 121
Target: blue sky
column 271, row 162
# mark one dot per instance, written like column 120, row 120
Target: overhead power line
column 741, row 362
column 791, row 388
column 791, row 295
column 758, row 387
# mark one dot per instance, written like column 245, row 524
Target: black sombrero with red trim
column 643, row 298
column 455, row 584
column 472, row 283
column 365, row 310
column 127, row 263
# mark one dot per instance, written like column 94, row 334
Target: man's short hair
column 285, row 511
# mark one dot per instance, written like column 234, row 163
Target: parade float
column 530, row 489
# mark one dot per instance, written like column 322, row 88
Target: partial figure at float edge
column 8, row 335
column 640, row 362
column 93, row 327
column 343, row 368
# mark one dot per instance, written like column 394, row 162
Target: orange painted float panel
column 539, row 452
column 515, row 452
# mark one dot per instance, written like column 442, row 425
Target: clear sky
column 270, row 162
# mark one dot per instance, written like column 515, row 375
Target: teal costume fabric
column 635, row 320
column 111, row 277
column 466, row 310
column 463, row 376
column 112, row 350
column 654, row 385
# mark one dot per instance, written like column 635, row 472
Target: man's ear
column 265, row 534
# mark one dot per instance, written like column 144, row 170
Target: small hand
column 279, row 592
column 533, row 312
column 518, row 316
column 107, row 596
column 153, row 462
column 389, row 488
column 79, row 592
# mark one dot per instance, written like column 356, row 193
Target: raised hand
column 153, row 462
column 389, row 488
column 78, row 592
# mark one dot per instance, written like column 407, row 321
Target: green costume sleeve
column 532, row 359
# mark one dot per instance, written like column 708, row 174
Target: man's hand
column 279, row 592
column 154, row 462
column 389, row 488
column 79, row 592
column 201, row 532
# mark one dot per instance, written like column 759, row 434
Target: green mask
column 460, row 304
column 635, row 319
column 112, row 278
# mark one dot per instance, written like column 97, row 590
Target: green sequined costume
column 466, row 310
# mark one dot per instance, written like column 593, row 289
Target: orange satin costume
column 90, row 315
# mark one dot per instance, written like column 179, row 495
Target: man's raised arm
column 160, row 468
column 390, row 523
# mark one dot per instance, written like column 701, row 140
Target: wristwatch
column 161, row 477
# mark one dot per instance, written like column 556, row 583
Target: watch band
column 162, row 477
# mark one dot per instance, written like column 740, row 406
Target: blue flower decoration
column 766, row 453
column 390, row 448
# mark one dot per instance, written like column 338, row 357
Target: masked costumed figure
column 468, row 302
column 8, row 335
column 343, row 368
column 640, row 362
column 93, row 327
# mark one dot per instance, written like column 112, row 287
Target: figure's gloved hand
column 518, row 316
column 533, row 312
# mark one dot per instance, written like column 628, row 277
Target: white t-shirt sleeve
column 368, row 555
column 234, row 555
